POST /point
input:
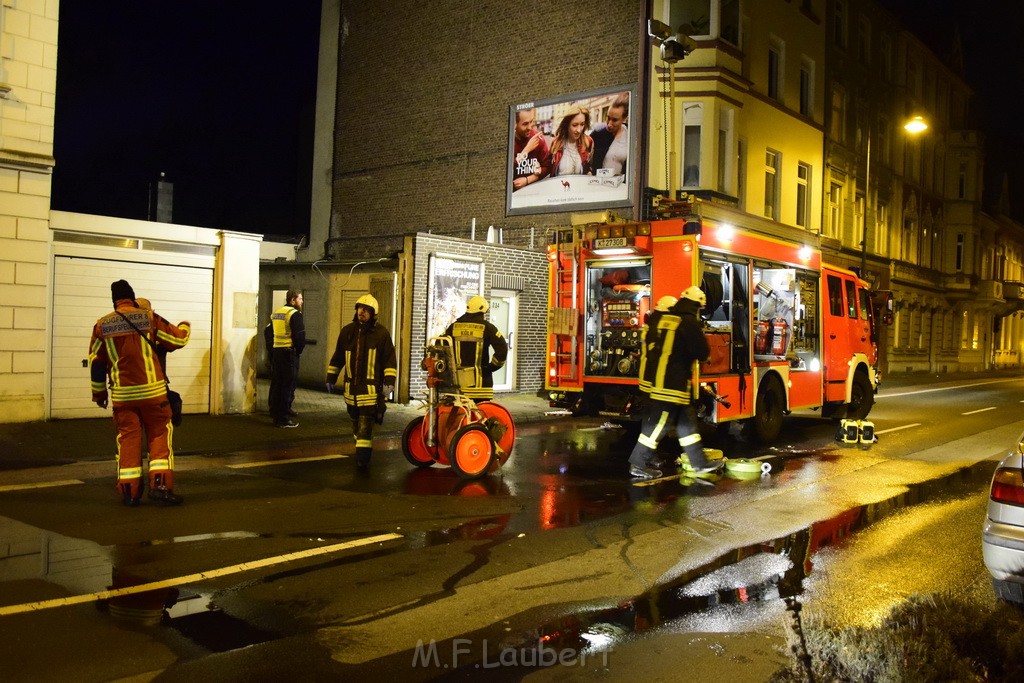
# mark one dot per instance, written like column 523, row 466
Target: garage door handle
column 831, row 336
column 85, row 363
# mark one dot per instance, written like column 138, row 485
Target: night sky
column 218, row 95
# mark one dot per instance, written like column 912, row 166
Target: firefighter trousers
column 363, row 418
column 151, row 417
column 658, row 420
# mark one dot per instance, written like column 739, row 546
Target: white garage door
column 81, row 295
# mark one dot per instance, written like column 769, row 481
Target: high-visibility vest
column 281, row 320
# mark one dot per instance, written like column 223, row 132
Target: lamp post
column 913, row 126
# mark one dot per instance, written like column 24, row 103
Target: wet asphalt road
column 561, row 545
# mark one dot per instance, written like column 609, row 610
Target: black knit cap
column 121, row 290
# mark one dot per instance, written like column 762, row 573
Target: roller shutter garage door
column 81, row 295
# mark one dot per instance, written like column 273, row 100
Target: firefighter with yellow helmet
column 672, row 341
column 473, row 340
column 364, row 357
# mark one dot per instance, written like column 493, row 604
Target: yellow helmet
column 477, row 304
column 368, row 301
column 665, row 303
column 695, row 293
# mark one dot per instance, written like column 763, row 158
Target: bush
column 934, row 637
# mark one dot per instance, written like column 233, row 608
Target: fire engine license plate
column 611, row 242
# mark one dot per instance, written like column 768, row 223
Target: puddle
column 764, row 572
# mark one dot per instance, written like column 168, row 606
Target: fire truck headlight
column 815, row 365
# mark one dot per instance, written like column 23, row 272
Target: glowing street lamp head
column 916, row 125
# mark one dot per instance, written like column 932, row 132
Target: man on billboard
column 530, row 160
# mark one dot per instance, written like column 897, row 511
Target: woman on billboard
column 572, row 148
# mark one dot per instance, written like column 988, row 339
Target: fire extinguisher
column 780, row 336
column 761, row 341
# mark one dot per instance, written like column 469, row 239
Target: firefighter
column 123, row 351
column 473, row 339
column 673, row 340
column 366, row 354
column 285, row 337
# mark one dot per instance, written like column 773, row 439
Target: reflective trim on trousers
column 651, row 440
column 689, row 440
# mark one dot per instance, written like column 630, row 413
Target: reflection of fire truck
column 786, row 332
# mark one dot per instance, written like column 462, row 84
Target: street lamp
column 915, row 125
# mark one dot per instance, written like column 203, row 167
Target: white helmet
column 477, row 304
column 694, row 293
column 665, row 303
column 368, row 301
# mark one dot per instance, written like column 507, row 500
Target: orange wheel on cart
column 504, row 418
column 414, row 446
column 472, row 451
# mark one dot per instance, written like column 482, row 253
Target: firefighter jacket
column 672, row 341
column 472, row 339
column 365, row 357
column 286, row 330
column 121, row 353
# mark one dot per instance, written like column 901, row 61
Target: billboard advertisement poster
column 571, row 152
column 453, row 279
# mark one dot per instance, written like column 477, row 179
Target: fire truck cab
column 786, row 332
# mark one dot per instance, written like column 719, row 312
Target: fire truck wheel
column 861, row 397
column 472, row 451
column 766, row 424
column 414, row 446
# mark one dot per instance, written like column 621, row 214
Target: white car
column 1002, row 538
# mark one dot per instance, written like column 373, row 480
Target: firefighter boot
column 130, row 499
column 363, row 457
column 162, row 494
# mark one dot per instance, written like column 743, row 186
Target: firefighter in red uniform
column 124, row 352
column 366, row 354
column 473, row 338
column 672, row 341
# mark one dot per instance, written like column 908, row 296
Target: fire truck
column 786, row 331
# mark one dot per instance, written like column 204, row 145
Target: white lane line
column 956, row 388
column 41, row 485
column 266, row 463
column 195, row 578
column 896, row 429
column 980, row 410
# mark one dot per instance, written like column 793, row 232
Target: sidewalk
column 322, row 416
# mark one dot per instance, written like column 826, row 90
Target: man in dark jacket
column 366, row 354
column 285, row 337
column 473, row 338
column 673, row 341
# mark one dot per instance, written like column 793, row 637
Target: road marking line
column 959, row 386
column 896, row 429
column 979, row 410
column 43, row 485
column 195, row 578
column 266, row 463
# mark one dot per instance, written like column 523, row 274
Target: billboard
column 571, row 152
column 453, row 279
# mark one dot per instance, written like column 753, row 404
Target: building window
column 772, row 161
column 729, row 18
column 741, row 174
column 839, row 24
column 807, row 87
column 959, row 265
column 881, row 229
column 776, row 67
column 961, row 181
column 838, row 122
column 835, row 197
column 692, row 117
column 864, row 41
column 803, row 193
column 885, row 48
column 860, row 219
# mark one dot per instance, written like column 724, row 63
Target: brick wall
column 424, row 92
column 528, row 267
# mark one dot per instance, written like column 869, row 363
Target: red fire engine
column 786, row 331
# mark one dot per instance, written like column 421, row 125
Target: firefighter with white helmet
column 672, row 341
column 365, row 358
column 473, row 340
